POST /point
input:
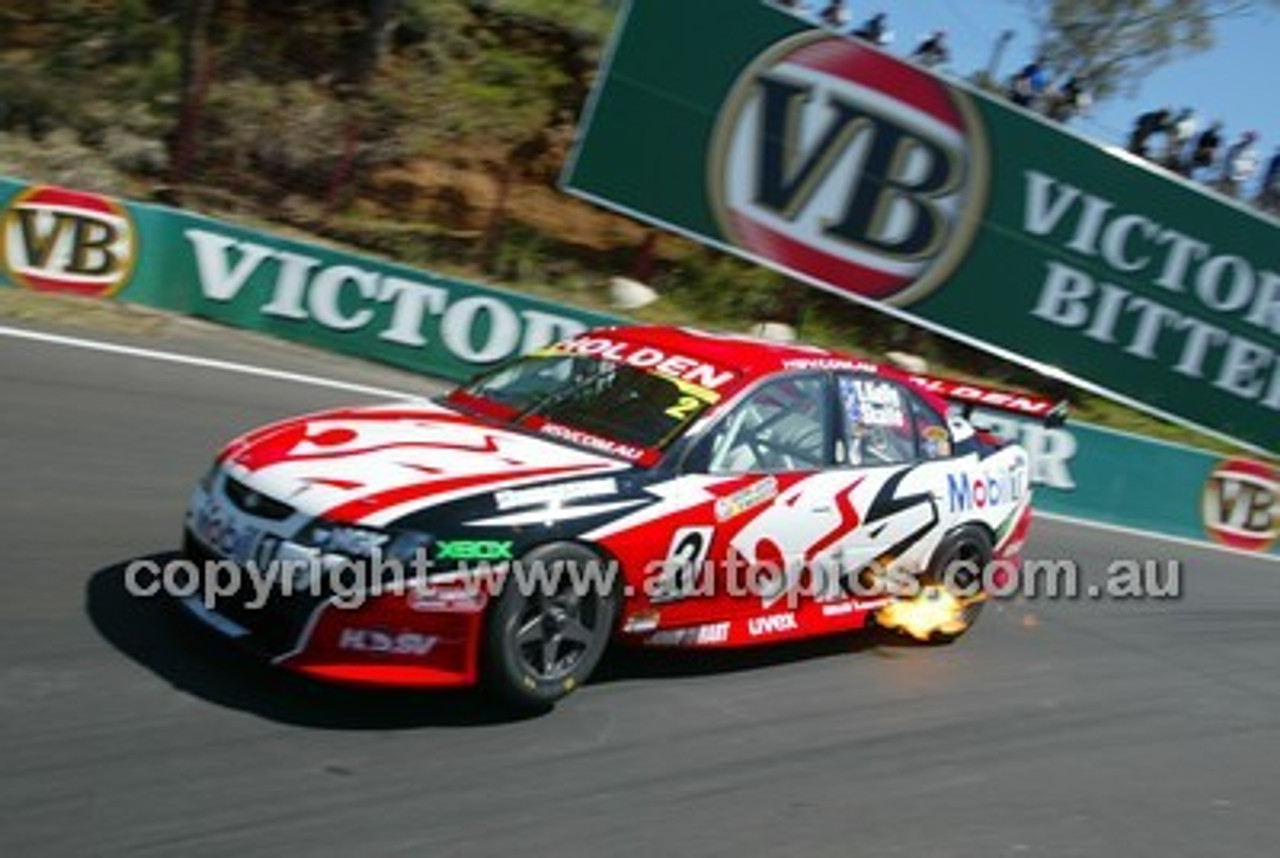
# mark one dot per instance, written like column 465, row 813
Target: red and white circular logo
column 843, row 165
column 57, row 240
column 1241, row 504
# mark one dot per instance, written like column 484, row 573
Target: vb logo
column 1241, row 504
column 836, row 162
column 56, row 240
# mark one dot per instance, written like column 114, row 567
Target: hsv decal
column 376, row 640
column 838, row 163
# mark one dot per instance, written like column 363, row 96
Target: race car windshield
column 591, row 395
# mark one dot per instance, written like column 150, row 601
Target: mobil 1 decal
column 837, row 163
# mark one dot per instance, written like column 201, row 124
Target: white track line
column 204, row 363
column 1147, row 534
column 317, row 381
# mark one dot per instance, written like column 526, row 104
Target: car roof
column 752, row 358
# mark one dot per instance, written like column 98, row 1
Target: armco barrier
column 1117, row 478
column 67, row 241
column 53, row 239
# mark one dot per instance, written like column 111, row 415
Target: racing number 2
column 685, row 406
column 684, row 562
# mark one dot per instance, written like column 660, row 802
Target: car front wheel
column 549, row 627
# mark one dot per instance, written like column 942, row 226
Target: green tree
column 1113, row 44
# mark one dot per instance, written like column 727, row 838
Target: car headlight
column 364, row 542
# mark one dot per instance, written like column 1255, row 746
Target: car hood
column 377, row 464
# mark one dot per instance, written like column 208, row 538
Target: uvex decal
column 56, row 240
column 837, row 163
column 771, row 624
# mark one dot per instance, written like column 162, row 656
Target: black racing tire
column 968, row 544
column 540, row 646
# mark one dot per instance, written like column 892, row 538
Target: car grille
column 254, row 503
column 274, row 626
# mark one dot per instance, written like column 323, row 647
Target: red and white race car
column 658, row 486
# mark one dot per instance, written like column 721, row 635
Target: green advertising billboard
column 1093, row 473
column 61, row 240
column 869, row 177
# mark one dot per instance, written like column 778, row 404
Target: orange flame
column 935, row 610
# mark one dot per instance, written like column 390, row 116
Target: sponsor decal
column 966, row 492
column 879, row 404
column 686, row 369
column 57, row 240
column 831, row 363
column 1241, row 504
column 744, row 499
column 1030, row 406
column 641, row 623
column 772, row 624
column 388, row 643
column 442, row 597
column 840, row 609
column 860, row 173
column 937, row 442
column 592, row 442
column 474, row 549
column 1050, row 452
column 555, row 494
column 710, row 634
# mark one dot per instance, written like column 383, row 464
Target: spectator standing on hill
column 933, row 51
column 1205, row 152
column 1239, row 165
column 1068, row 101
column 1181, row 129
column 1269, row 194
column 1029, row 84
column 876, row 30
column 835, row 14
column 1146, row 126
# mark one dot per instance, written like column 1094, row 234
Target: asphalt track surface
column 1091, row 728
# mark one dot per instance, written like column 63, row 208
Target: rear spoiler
column 970, row 396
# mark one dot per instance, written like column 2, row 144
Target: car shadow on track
column 154, row 633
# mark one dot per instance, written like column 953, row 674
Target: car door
column 746, row 467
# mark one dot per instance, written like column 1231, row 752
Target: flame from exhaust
column 935, row 610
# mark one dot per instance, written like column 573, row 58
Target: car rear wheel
column 950, row 582
column 549, row 627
